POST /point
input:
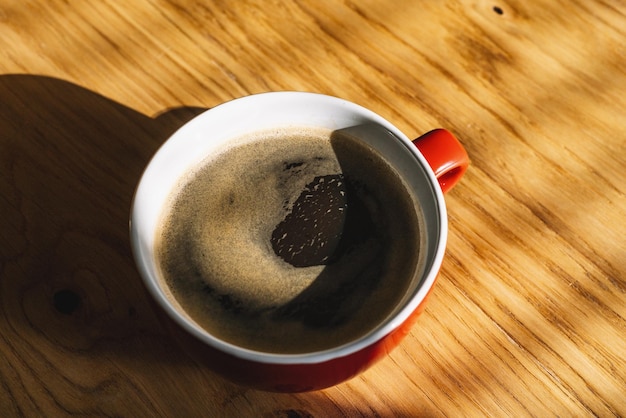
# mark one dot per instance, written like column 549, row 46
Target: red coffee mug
column 429, row 165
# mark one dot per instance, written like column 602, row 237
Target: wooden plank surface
column 528, row 317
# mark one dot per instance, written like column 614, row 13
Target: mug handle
column 445, row 155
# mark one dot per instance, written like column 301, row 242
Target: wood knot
column 66, row 301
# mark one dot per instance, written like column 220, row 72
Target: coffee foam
column 243, row 208
column 219, row 262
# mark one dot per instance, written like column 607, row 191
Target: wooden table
column 528, row 317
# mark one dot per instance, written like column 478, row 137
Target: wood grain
column 528, row 317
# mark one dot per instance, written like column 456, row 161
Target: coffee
column 289, row 241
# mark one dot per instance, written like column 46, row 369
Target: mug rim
column 378, row 333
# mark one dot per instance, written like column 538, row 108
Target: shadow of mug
column 70, row 160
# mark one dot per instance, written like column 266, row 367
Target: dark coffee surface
column 294, row 241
